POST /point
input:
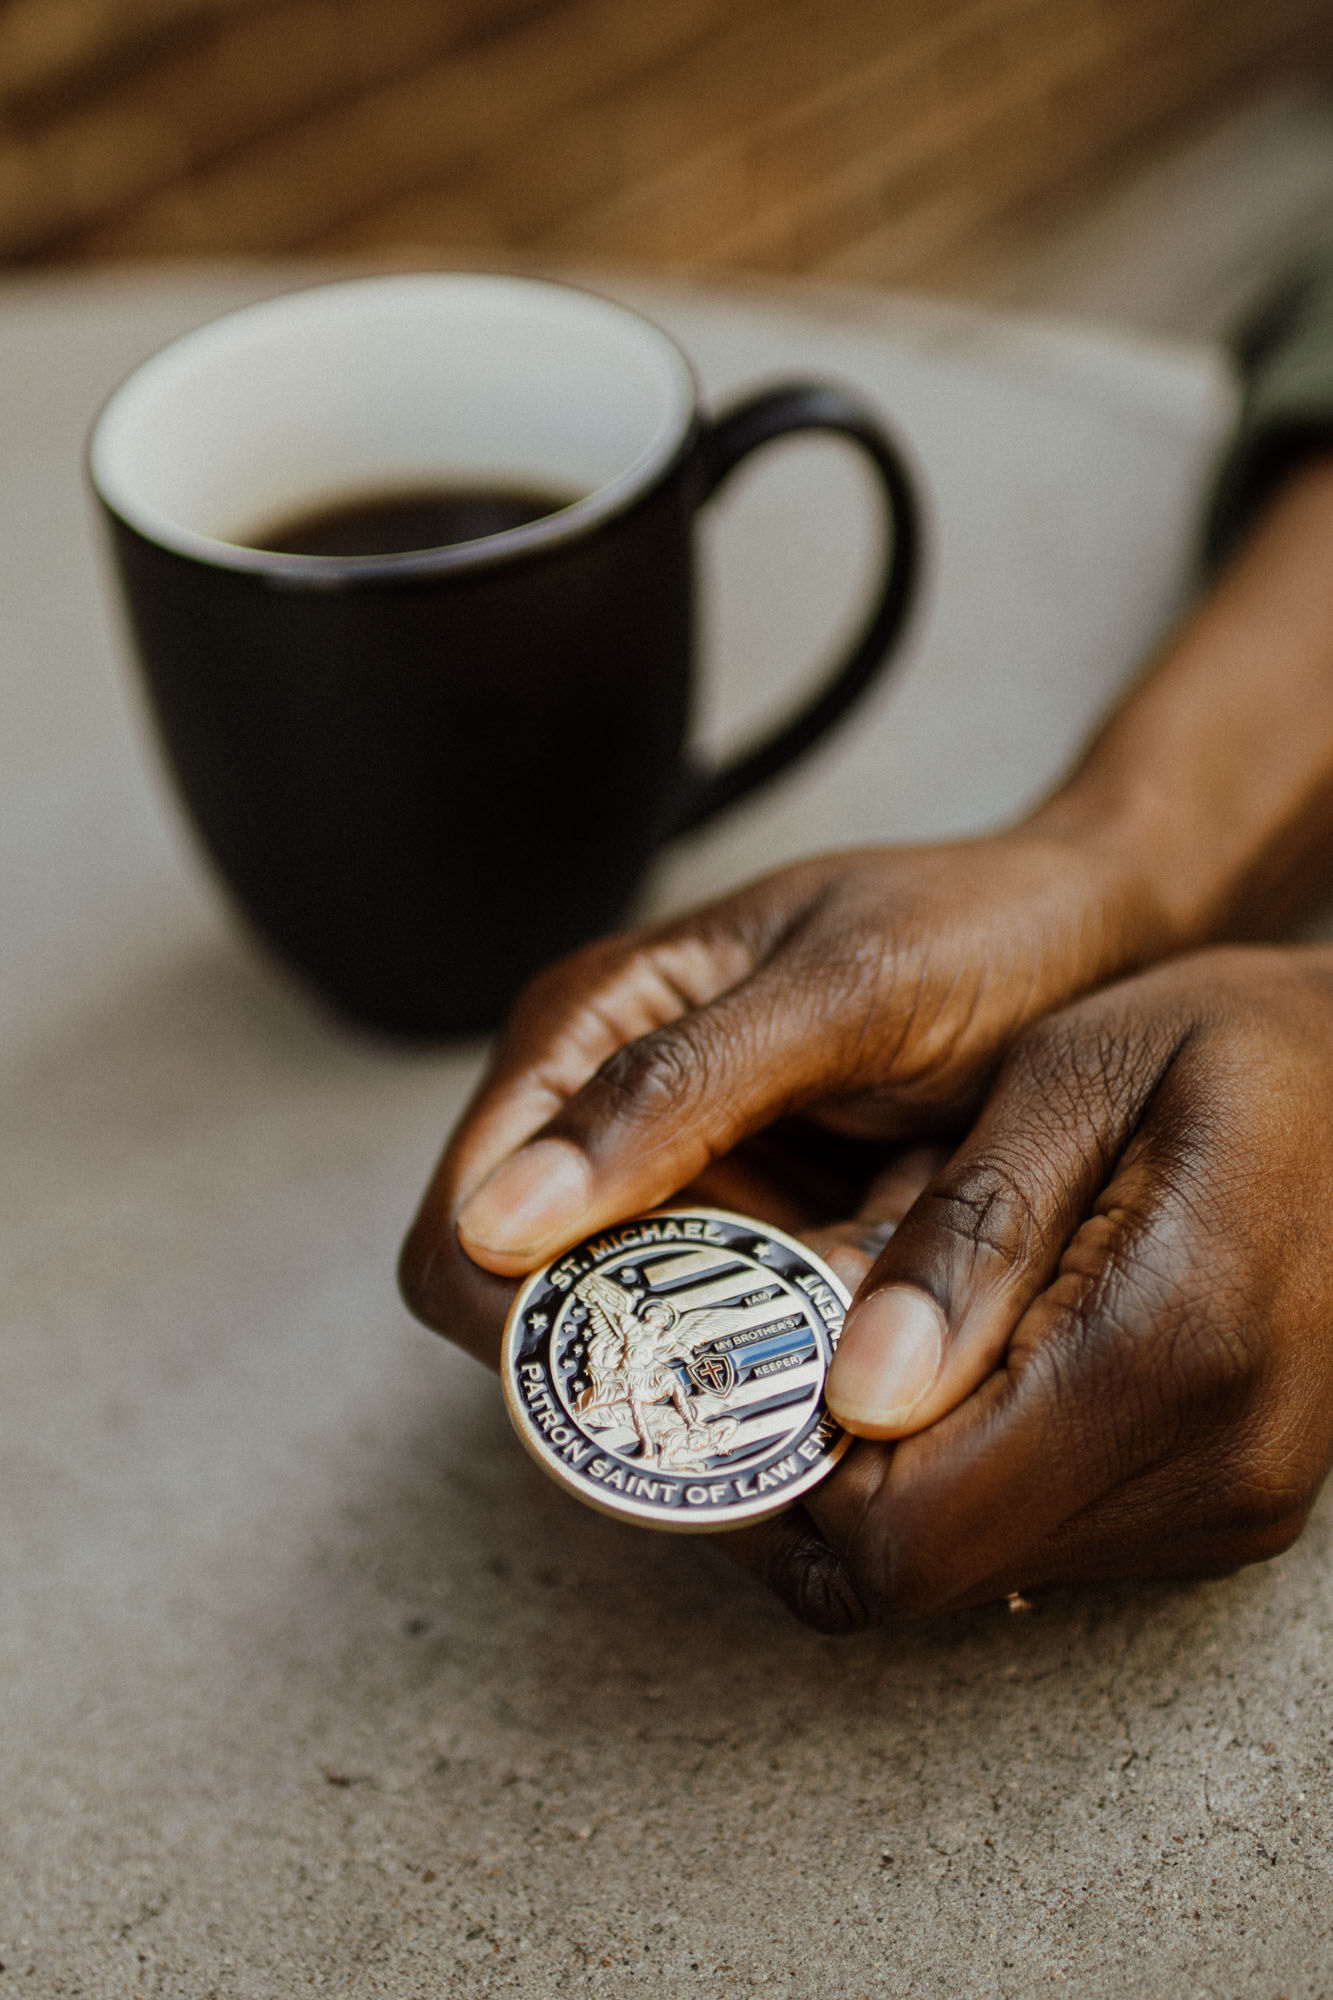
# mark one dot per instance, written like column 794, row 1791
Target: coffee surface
column 393, row 523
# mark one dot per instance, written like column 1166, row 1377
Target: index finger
column 563, row 1028
column 570, row 1020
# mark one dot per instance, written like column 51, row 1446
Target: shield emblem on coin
column 713, row 1374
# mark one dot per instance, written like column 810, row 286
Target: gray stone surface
column 310, row 1682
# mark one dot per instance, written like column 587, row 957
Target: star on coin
column 763, row 1251
column 538, row 1322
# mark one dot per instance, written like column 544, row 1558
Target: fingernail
column 537, row 1196
column 887, row 1360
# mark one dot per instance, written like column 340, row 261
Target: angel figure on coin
column 630, row 1376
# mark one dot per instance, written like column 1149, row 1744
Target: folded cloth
column 1285, row 355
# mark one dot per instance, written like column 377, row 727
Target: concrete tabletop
column 311, row 1683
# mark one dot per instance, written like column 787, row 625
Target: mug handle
column 723, row 443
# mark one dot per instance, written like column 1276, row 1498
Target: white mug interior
column 374, row 384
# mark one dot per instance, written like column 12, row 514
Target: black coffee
column 386, row 524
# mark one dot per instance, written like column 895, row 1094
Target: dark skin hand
column 1132, row 1259
column 770, row 1052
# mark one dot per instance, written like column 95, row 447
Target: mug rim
column 529, row 538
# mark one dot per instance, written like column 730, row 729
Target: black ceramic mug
column 427, row 771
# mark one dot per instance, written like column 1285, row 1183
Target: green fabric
column 1286, row 362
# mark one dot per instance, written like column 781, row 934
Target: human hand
column 872, row 991
column 877, row 989
column 1127, row 1270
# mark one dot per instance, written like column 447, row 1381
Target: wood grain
column 873, row 139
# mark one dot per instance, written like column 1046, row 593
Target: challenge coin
column 670, row 1370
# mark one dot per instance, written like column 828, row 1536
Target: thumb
column 651, row 1119
column 985, row 1238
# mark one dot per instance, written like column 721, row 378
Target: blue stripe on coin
column 670, row 1370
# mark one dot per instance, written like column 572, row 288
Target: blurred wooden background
column 878, row 140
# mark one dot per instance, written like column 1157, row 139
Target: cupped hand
column 873, row 992
column 1100, row 1345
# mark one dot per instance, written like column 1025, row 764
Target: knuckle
column 819, row 1592
column 1210, row 1353
column 792, row 1559
column 655, row 1076
column 985, row 1207
column 579, row 973
column 1091, row 1066
column 1144, row 1294
column 1134, row 1372
column 1162, row 1358
column 1178, row 1329
column 901, row 1022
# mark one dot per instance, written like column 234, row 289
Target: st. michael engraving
column 640, row 1370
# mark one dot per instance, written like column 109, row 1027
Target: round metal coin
column 671, row 1369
